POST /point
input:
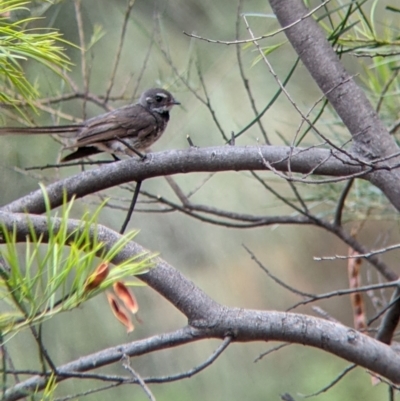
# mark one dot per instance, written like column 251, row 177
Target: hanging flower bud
column 126, row 296
column 97, row 277
column 120, row 312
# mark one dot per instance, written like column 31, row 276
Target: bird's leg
column 132, row 149
column 232, row 140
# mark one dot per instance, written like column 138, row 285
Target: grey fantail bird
column 138, row 125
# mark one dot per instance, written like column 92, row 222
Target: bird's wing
column 132, row 121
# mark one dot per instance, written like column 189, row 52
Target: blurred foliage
column 206, row 79
column 19, row 43
column 376, row 43
column 54, row 276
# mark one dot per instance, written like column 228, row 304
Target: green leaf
column 49, row 277
column 19, row 43
column 267, row 50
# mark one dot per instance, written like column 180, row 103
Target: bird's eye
column 159, row 99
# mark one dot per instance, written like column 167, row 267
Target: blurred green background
column 212, row 256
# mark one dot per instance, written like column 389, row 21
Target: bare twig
column 236, row 42
column 341, row 203
column 338, row 293
column 127, row 365
column 244, row 78
column 333, row 382
column 362, row 255
column 270, row 351
column 119, row 48
column 84, row 70
column 131, row 207
column 276, row 279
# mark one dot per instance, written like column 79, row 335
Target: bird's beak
column 173, row 102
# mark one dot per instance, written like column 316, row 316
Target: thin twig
column 244, row 78
column 236, row 42
column 71, row 164
column 341, row 203
column 270, row 351
column 276, row 279
column 127, row 365
column 386, row 87
column 131, row 207
column 119, row 48
column 362, row 255
column 338, row 293
column 176, row 188
column 78, row 13
column 333, row 382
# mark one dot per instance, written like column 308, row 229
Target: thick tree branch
column 214, row 159
column 209, row 319
column 224, row 158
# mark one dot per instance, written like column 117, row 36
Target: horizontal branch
column 213, row 159
column 100, row 359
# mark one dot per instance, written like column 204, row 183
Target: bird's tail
column 61, row 129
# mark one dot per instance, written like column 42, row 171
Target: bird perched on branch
column 123, row 130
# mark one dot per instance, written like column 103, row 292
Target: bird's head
column 157, row 100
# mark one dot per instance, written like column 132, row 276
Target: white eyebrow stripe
column 161, row 94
